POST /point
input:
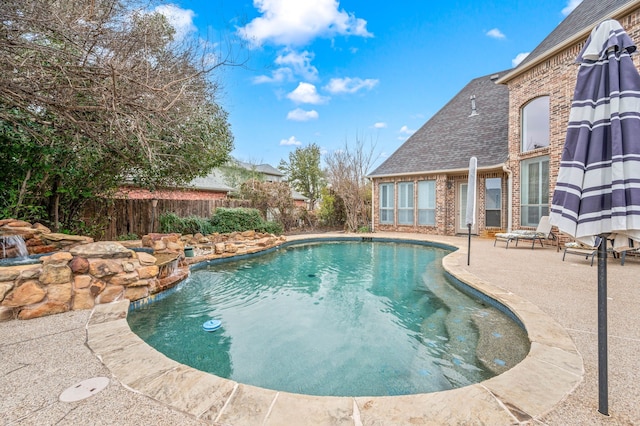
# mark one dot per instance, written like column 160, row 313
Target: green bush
column 128, row 237
column 172, row 223
column 270, row 227
column 241, row 219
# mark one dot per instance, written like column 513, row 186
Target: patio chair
column 580, row 249
column 626, row 250
column 542, row 232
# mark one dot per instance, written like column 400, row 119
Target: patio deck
column 42, row 357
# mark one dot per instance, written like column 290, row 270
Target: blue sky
column 333, row 72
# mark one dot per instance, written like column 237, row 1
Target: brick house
column 422, row 186
column 538, row 101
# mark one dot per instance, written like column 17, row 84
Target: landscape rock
column 104, row 267
column 42, row 309
column 26, row 294
column 55, row 274
column 60, row 293
column 81, row 282
column 111, row 293
column 102, row 250
column 146, row 258
column 79, row 265
column 83, row 299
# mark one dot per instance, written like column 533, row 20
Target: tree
column 304, row 173
column 96, row 92
column 346, row 172
column 272, row 199
column 235, row 174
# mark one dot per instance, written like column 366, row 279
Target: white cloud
column 300, row 114
column 291, row 64
column 278, row 76
column 380, row 125
column 296, row 23
column 349, row 85
column 519, row 58
column 299, row 63
column 406, row 131
column 291, row 141
column 570, row 6
column 306, row 93
column 496, row 33
column 180, row 19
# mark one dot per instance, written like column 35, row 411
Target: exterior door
column 461, row 210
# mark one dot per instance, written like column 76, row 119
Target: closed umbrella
column 598, row 187
column 470, row 218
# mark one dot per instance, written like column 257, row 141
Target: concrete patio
column 43, row 357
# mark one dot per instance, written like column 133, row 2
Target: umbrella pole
column 603, row 385
column 469, row 246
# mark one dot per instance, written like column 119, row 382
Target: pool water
column 341, row 319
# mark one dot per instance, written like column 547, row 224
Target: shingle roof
column 453, row 134
column 581, row 20
column 262, row 168
column 214, row 181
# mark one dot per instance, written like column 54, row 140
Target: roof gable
column 577, row 24
column 454, row 134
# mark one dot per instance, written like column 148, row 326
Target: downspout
column 509, row 173
column 373, row 206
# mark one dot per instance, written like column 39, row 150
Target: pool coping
column 552, row 369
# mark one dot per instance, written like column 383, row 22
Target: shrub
column 241, row 219
column 128, row 237
column 271, row 227
column 171, row 222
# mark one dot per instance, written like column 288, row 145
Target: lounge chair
column 580, row 249
column 542, row 232
column 626, row 250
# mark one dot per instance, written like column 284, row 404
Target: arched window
column 535, row 124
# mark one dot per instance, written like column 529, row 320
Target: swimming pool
column 346, row 318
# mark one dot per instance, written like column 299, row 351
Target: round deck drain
column 84, row 389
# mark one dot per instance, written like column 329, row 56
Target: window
column 534, row 190
column 405, row 203
column 427, row 202
column 386, row 203
column 493, row 202
column 535, row 124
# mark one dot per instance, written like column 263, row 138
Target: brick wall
column 446, row 186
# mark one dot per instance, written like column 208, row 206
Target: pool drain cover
column 84, row 389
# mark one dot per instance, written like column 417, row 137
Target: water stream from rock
column 13, row 246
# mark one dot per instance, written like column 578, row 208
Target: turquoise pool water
column 341, row 319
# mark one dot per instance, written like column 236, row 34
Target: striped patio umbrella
column 598, row 187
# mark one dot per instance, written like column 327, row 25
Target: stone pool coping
column 552, row 370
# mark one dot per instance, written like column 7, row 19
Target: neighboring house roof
column 454, row 134
column 298, row 196
column 262, row 168
column 214, row 181
column 577, row 25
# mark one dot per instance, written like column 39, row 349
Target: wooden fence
column 119, row 217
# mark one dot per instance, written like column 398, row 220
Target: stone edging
column 551, row 370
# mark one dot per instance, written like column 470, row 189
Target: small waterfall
column 13, row 246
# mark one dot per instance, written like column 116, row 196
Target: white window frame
column 535, row 126
column 487, row 206
column 405, row 203
column 427, row 202
column 386, row 203
column 534, row 190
